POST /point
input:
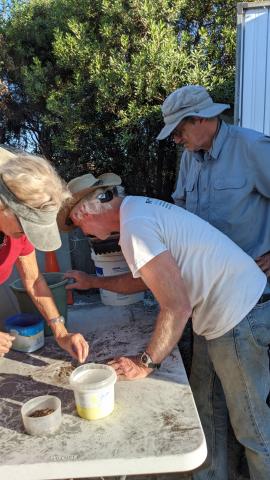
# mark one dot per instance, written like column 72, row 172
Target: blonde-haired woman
column 31, row 194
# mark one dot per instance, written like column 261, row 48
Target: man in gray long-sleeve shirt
column 225, row 179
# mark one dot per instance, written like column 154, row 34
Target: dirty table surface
column 154, row 427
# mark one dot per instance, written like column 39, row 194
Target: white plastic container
column 111, row 264
column 93, row 386
column 42, row 425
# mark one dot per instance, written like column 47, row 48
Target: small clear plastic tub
column 42, row 415
column 93, row 386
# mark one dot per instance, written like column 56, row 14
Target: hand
column 264, row 263
column 83, row 281
column 5, row 343
column 75, row 345
column 129, row 368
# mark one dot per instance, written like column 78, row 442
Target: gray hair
column 90, row 204
column 34, row 182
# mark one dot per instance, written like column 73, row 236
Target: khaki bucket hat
column 80, row 187
column 188, row 101
column 39, row 225
column 6, row 154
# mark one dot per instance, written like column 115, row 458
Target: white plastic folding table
column 154, row 428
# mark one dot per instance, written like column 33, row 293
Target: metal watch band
column 147, row 361
column 55, row 320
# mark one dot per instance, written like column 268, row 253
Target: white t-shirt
column 222, row 281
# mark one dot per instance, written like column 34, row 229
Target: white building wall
column 253, row 67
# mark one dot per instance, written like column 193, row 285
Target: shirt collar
column 216, row 147
column 199, row 156
column 218, row 141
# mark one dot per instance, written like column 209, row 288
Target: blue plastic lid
column 26, row 324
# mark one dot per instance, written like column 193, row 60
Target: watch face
column 145, row 359
column 148, row 362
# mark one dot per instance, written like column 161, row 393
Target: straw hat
column 80, row 187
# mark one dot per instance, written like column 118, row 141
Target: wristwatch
column 147, row 361
column 55, row 320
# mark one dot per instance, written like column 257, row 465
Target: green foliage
column 83, row 82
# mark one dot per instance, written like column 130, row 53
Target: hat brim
column 108, row 180
column 45, row 238
column 5, row 155
column 209, row 112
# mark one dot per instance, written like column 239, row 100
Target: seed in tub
column 42, row 412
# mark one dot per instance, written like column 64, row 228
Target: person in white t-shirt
column 193, row 270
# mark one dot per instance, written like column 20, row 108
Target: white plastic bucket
column 93, row 386
column 111, row 264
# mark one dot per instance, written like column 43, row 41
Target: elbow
column 185, row 311
column 33, row 284
column 184, row 308
column 182, row 311
column 30, row 288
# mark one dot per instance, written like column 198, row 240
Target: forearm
column 44, row 301
column 163, row 277
column 168, row 330
column 124, row 283
column 41, row 295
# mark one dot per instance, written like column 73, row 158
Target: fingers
column 264, row 263
column 117, row 363
column 261, row 262
column 71, row 274
column 5, row 342
column 74, row 274
column 80, row 348
column 119, row 368
column 72, row 282
column 122, row 366
column 78, row 280
column 265, row 267
column 122, row 378
column 85, row 351
column 129, row 368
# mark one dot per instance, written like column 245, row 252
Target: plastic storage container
column 93, row 386
column 43, row 425
column 28, row 330
column 56, row 284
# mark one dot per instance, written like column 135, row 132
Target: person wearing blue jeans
column 239, row 366
column 224, row 178
column 193, row 270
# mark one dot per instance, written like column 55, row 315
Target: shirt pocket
column 228, row 190
column 227, row 206
column 191, row 195
column 259, row 324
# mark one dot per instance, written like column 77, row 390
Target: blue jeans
column 232, row 372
